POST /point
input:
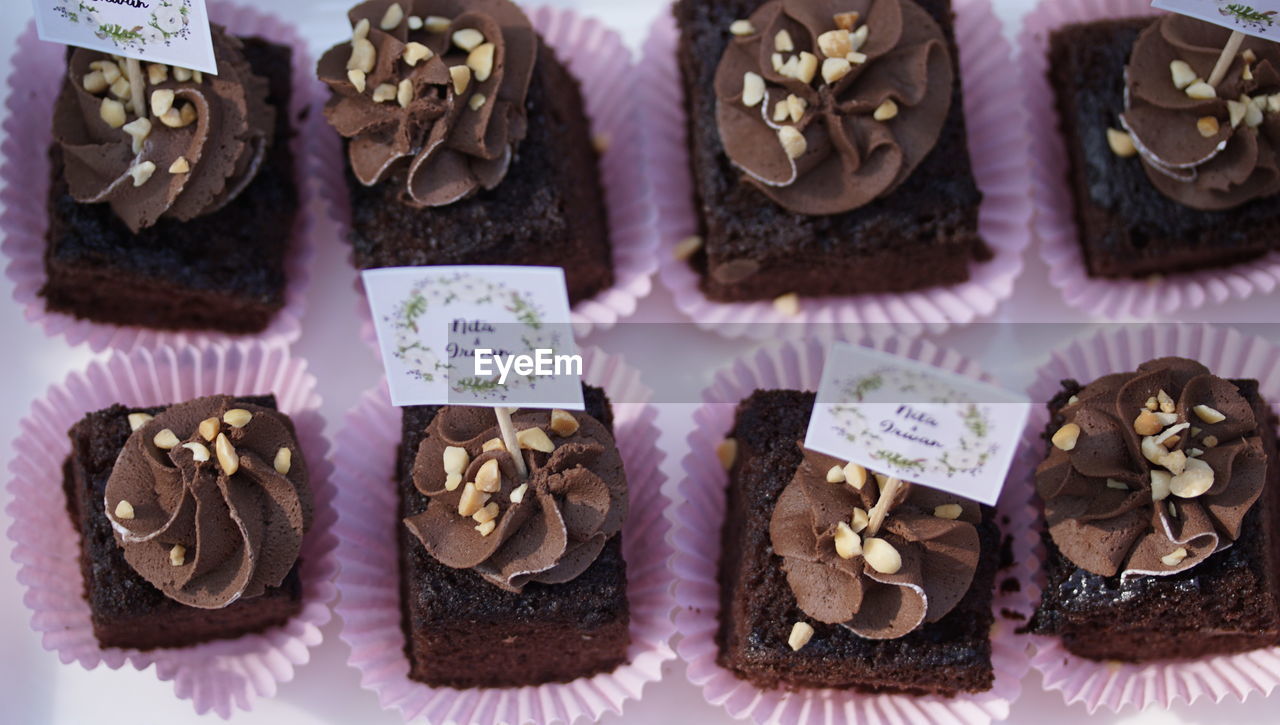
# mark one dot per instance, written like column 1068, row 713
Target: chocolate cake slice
column 923, row 234
column 222, row 271
column 463, row 631
column 1228, row 603
column 758, row 608
column 126, row 610
column 548, row 211
column 1127, row 227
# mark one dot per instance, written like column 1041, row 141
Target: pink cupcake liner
column 217, row 676
column 697, row 514
column 1054, row 220
column 997, row 147
column 601, row 62
column 38, row 69
column 1114, row 685
column 364, row 463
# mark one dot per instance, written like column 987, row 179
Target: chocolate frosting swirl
column 450, row 142
column 850, row 158
column 575, row 500
column 939, row 555
column 238, row 534
column 1108, row 505
column 1237, row 163
column 223, row 143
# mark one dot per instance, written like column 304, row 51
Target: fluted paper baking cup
column 600, row 61
column 364, row 461
column 216, row 676
column 1113, row 685
column 1055, row 219
column 997, row 148
column 697, row 514
column 36, row 77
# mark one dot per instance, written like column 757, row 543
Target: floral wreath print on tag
column 973, row 449
column 423, row 363
column 168, row 21
column 1247, row 16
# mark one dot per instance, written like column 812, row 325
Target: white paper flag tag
column 1259, row 18
column 173, row 32
column 916, row 422
column 476, row 335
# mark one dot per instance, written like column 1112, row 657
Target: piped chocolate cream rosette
column 827, row 105
column 880, row 556
column 1205, row 147
column 210, row 500
column 1153, row 471
column 156, row 141
column 548, row 527
column 434, row 90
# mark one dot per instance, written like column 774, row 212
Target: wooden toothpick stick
column 1224, row 60
column 508, row 429
column 137, row 86
column 888, row 492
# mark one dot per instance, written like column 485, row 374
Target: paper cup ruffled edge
column 697, row 512
column 1054, row 223
column 601, row 62
column 1113, row 685
column 367, row 550
column 218, row 676
column 25, row 220
column 998, row 147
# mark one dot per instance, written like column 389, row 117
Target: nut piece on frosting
column 801, row 633
column 563, row 423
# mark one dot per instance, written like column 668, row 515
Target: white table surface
column 36, row 688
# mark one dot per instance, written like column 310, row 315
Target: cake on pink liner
column 371, row 611
column 1112, row 685
column 1054, row 220
column 33, row 84
column 219, row 676
column 697, row 513
column 601, row 63
column 997, row 146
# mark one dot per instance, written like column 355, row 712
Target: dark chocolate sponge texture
column 1229, row 603
column 222, row 271
column 462, row 631
column 925, row 233
column 758, row 609
column 1127, row 227
column 549, row 210
column 126, row 610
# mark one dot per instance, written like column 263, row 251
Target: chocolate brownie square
column 1228, row 603
column 923, row 234
column 462, row 631
column 127, row 611
column 757, row 606
column 1127, row 227
column 548, row 211
column 223, row 271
